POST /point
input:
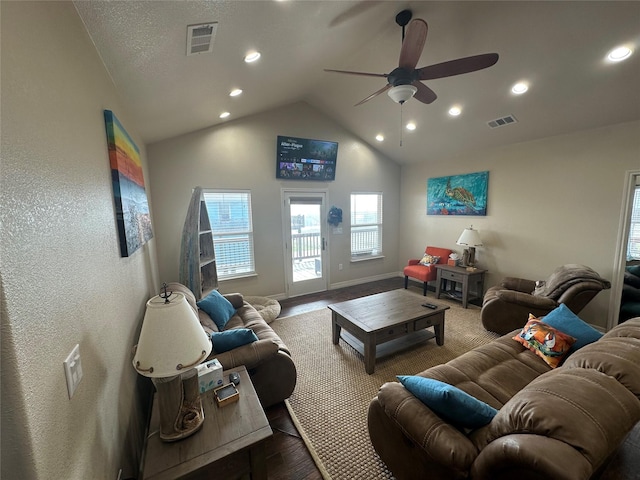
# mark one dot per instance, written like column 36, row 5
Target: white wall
column 242, row 155
column 63, row 281
column 550, row 202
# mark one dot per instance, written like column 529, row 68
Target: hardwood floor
column 287, row 455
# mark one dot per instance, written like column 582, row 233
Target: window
column 366, row 225
column 232, row 228
column 633, row 248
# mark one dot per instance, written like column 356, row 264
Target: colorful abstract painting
column 132, row 207
column 458, row 194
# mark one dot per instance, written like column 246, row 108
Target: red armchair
column 425, row 273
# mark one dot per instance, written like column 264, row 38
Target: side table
column 463, row 276
column 230, row 445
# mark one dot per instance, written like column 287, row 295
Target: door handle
column 324, row 244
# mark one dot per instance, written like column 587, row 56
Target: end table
column 230, row 445
column 463, row 276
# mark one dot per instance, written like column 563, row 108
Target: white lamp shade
column 171, row 340
column 470, row 238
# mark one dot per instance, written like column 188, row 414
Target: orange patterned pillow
column 429, row 259
column 545, row 341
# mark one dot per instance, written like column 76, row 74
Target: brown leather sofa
column 267, row 360
column 561, row 423
column 507, row 306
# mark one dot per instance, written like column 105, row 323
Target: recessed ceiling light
column 252, row 57
column 519, row 88
column 379, row 138
column 455, row 111
column 411, row 126
column 619, row 53
column 224, row 114
column 235, row 92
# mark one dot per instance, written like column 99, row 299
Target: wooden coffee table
column 395, row 318
column 230, row 444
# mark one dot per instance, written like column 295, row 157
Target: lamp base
column 181, row 413
column 469, row 257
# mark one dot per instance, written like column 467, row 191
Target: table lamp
column 469, row 238
column 172, row 342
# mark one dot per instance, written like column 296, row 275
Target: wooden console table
column 463, row 276
column 230, row 445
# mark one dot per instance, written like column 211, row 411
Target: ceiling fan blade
column 375, row 94
column 457, row 67
column 358, row 73
column 424, row 93
column 413, row 44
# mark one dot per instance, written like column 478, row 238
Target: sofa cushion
column 218, row 308
column 633, row 269
column 631, row 279
column 583, row 408
column 451, row 403
column 563, row 319
column 618, row 357
column 545, row 341
column 230, row 339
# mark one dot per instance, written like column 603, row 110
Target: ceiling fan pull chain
column 401, row 124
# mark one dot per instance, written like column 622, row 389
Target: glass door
column 305, row 242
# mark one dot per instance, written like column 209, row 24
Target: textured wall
column 242, row 155
column 62, row 278
column 550, row 202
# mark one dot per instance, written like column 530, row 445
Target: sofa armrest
column 413, row 261
column 526, row 300
column 442, row 443
column 236, row 299
column 249, row 355
column 518, row 284
column 531, row 457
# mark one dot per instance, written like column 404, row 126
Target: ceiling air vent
column 501, row 122
column 200, row 38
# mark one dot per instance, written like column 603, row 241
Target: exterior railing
column 365, row 241
column 305, row 245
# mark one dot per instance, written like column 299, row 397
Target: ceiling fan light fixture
column 402, row 93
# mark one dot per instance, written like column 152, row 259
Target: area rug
column 333, row 392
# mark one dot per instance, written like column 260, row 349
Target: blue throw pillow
column 563, row 319
column 230, row 339
column 449, row 402
column 218, row 308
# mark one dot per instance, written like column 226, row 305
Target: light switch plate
column 73, row 370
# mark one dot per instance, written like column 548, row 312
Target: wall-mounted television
column 306, row 159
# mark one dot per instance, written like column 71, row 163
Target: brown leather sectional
column 561, row 423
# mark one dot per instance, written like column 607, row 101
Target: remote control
column 234, row 378
column 430, row 305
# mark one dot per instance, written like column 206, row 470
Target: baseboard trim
column 358, row 281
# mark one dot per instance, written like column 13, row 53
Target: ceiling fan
column 404, row 82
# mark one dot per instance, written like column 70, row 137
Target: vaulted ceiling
column 558, row 48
